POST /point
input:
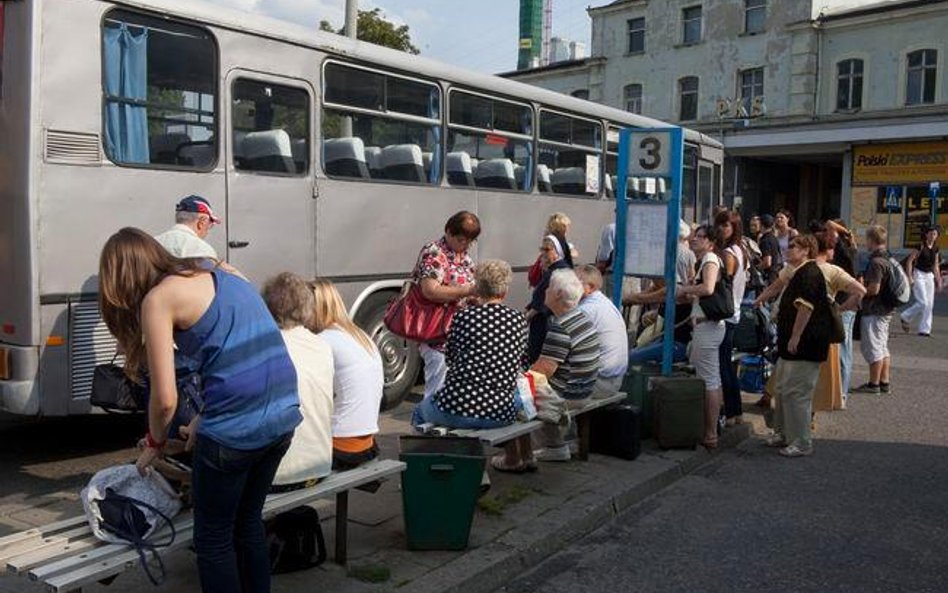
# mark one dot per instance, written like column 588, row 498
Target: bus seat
column 402, row 162
column 569, row 180
column 197, row 154
column 239, row 136
column 345, row 157
column 458, row 165
column 426, row 162
column 474, row 163
column 497, row 173
column 268, row 150
column 163, row 148
column 373, row 158
column 300, row 150
column 543, row 179
column 607, row 182
column 519, row 173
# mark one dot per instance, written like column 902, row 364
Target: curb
column 493, row 565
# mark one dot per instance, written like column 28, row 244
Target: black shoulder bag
column 123, row 516
column 719, row 305
column 113, row 391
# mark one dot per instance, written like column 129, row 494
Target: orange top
column 353, row 444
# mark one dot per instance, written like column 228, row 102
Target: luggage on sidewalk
column 753, row 373
column 616, row 431
column 635, row 384
column 753, row 333
column 678, row 415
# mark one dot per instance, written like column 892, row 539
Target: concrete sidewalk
column 522, row 520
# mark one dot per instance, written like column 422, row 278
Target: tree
column 373, row 28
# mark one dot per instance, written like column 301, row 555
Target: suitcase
column 636, row 386
column 616, row 431
column 678, row 411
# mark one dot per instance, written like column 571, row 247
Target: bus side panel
column 17, row 258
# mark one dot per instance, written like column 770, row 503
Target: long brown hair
column 131, row 264
column 330, row 311
column 737, row 234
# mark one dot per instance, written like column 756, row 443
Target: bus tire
column 400, row 359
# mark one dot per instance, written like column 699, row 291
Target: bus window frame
column 530, row 138
column 327, row 106
column 264, row 78
column 216, row 79
column 601, row 151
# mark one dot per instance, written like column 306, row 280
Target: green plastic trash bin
column 439, row 490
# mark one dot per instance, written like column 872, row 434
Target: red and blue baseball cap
column 196, row 204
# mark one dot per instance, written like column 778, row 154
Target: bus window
column 1, row 50
column 270, row 127
column 689, row 187
column 570, row 148
column 381, row 126
column 160, row 81
column 490, row 143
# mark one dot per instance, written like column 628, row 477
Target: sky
column 475, row 34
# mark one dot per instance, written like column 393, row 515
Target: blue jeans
column 846, row 351
column 653, row 353
column 428, row 411
column 229, row 488
column 730, row 384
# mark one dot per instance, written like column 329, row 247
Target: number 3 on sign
column 650, row 153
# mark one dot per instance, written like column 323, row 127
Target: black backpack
column 295, row 539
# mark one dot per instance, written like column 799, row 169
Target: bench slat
column 110, row 559
column 41, row 532
column 28, row 546
column 50, row 552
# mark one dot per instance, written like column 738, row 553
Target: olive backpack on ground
column 678, row 411
column 616, row 431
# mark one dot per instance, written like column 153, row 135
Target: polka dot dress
column 485, row 352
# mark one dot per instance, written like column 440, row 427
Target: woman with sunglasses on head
column 707, row 334
column 729, row 243
column 155, row 303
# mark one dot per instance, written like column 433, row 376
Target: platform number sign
column 650, row 153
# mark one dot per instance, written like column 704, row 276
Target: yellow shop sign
column 900, row 164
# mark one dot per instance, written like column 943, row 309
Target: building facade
column 809, row 97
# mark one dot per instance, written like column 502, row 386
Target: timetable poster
column 645, row 234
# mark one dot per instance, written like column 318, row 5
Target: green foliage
column 495, row 505
column 373, row 28
column 370, row 573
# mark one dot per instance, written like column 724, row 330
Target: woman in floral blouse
column 445, row 274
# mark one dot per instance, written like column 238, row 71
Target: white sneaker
column 795, row 451
column 776, row 440
column 553, row 453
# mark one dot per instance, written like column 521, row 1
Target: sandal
column 499, row 463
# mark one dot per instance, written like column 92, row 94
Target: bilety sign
column 900, row 164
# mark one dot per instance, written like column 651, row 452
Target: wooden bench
column 66, row 555
column 498, row 436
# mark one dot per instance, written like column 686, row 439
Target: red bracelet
column 151, row 443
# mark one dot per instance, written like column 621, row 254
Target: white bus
column 326, row 156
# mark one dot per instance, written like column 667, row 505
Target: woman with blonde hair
column 357, row 382
column 153, row 302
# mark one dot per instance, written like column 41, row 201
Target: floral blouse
column 450, row 268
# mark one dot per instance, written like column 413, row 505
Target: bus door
column 271, row 212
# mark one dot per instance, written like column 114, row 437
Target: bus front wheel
column 400, row 359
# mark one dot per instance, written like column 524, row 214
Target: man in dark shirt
column 770, row 259
column 844, row 256
column 876, row 314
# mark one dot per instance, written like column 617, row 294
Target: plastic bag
column 551, row 407
column 125, row 480
column 525, row 393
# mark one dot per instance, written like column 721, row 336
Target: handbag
column 414, row 317
column 113, row 391
column 837, row 332
column 295, row 540
column 719, row 305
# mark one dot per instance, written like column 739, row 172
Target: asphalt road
column 866, row 513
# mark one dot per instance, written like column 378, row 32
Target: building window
column 752, row 85
column 636, row 35
column 849, row 85
column 688, row 98
column 633, row 98
column 580, row 94
column 920, row 87
column 755, row 15
column 691, row 25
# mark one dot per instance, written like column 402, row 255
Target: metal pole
column 622, row 209
column 352, row 17
column 671, row 249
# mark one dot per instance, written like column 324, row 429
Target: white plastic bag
column 526, row 396
column 152, row 489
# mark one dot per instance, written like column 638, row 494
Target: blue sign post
column 656, row 152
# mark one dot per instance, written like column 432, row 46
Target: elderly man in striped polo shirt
column 570, row 354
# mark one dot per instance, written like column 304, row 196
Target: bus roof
column 237, row 20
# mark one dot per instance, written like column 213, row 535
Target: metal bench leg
column 582, row 431
column 342, row 526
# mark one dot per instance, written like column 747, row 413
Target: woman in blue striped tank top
column 153, row 302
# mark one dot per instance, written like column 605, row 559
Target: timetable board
column 645, row 234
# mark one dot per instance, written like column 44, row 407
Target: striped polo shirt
column 572, row 342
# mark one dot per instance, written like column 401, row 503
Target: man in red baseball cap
column 193, row 221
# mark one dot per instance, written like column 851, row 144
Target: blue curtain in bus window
column 527, row 128
column 433, row 111
column 126, row 83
